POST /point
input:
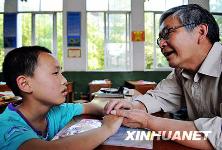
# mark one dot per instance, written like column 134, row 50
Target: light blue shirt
column 15, row 129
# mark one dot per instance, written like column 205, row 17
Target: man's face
column 177, row 44
column 48, row 84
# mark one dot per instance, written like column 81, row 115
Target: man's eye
column 55, row 73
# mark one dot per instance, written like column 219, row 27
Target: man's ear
column 23, row 84
column 203, row 30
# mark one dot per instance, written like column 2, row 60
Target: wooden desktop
column 140, row 85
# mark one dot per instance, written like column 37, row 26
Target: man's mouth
column 167, row 54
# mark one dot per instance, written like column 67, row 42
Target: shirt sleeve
column 214, row 125
column 63, row 113
column 14, row 136
column 166, row 96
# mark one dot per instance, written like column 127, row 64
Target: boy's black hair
column 21, row 61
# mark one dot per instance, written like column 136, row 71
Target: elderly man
column 189, row 39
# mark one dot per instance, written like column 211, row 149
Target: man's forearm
column 156, row 124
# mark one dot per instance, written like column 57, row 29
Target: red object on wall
column 138, row 36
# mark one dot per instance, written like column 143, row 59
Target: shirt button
column 196, row 85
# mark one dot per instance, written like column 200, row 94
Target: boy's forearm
column 156, row 124
column 84, row 141
column 93, row 109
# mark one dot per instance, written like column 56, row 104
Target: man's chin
column 172, row 65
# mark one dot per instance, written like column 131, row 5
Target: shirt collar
column 211, row 66
column 212, row 63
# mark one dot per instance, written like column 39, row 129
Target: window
column 153, row 10
column 2, row 3
column 42, row 28
column 40, row 5
column 1, row 41
column 108, row 35
column 215, row 9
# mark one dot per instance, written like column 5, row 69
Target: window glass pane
column 117, row 48
column 2, row 4
column 59, row 38
column 162, row 5
column 95, row 37
column 121, row 5
column 96, row 5
column 149, row 39
column 40, row 5
column 161, row 61
column 154, row 57
column 173, row 3
column 154, row 5
column 1, row 42
column 219, row 21
column 26, row 20
column 215, row 5
column 44, row 30
column 51, row 5
column 29, row 5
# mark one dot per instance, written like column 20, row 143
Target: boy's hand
column 112, row 123
column 133, row 118
column 116, row 104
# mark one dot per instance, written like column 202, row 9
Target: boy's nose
column 64, row 81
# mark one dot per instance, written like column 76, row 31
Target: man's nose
column 163, row 43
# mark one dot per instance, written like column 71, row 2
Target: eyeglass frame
column 165, row 36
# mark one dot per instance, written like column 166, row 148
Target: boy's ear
column 23, row 84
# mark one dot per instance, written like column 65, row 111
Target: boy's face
column 48, row 84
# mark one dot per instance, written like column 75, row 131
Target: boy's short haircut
column 21, row 61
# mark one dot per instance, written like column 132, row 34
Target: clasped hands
column 132, row 117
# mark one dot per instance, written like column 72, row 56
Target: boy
column 35, row 75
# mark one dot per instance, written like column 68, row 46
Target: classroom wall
column 81, row 79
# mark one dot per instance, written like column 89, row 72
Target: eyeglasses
column 166, row 32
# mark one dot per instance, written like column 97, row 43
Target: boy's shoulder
column 14, row 131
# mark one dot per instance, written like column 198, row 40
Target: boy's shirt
column 15, row 129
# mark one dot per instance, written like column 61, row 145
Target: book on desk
column 118, row 139
column 109, row 93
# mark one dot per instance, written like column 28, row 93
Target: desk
column 4, row 87
column 3, row 104
column 157, row 144
column 141, row 86
column 96, row 86
column 70, row 95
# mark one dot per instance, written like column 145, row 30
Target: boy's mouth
column 65, row 92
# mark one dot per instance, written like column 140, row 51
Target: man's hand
column 133, row 118
column 116, row 104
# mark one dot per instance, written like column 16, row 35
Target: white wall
column 75, row 64
column 137, row 24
